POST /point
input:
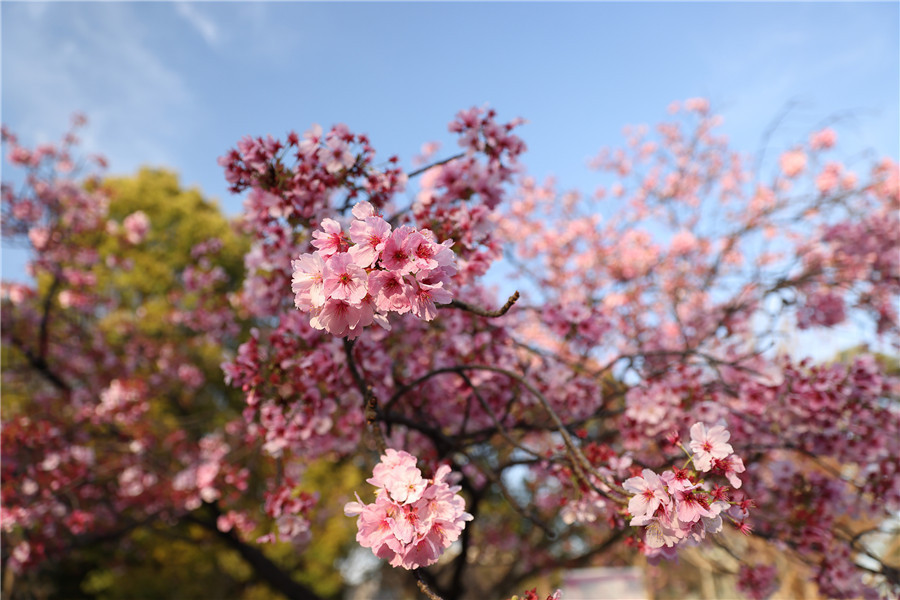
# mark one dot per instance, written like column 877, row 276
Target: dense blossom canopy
column 634, row 397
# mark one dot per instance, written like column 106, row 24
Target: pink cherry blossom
column 307, row 282
column 369, row 237
column 397, row 256
column 649, row 492
column 708, row 445
column 424, row 296
column 391, row 292
column 343, row 279
column 412, row 520
column 136, row 226
column 338, row 317
column 330, row 240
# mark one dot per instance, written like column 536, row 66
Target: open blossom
column 413, row 520
column 331, row 239
column 369, row 236
column 649, row 492
column 709, row 444
column 730, row 466
column 308, row 281
column 397, row 255
column 344, row 280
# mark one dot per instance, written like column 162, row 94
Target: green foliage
column 179, row 219
column 890, row 364
column 335, row 534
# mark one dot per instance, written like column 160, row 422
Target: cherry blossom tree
column 632, row 398
column 119, row 435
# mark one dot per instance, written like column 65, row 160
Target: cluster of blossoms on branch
column 678, row 506
column 348, row 287
column 413, row 520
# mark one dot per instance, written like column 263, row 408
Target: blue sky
column 177, row 84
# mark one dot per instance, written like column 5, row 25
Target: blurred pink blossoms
column 413, row 520
column 349, row 286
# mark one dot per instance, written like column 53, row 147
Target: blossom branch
column 432, row 595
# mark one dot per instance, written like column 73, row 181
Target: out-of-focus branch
column 435, row 164
column 482, row 312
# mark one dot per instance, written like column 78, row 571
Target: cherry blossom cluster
column 299, row 183
column 293, row 185
column 457, row 199
column 678, row 506
column 348, row 287
column 413, row 519
column 297, row 401
column 290, row 509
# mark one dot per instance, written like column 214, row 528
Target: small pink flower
column 649, row 492
column 396, row 255
column 307, row 282
column 709, row 444
column 343, row 279
column 370, row 237
column 331, row 239
column 691, row 506
column 390, row 291
column 390, row 460
column 422, row 251
column 730, row 466
column 424, row 296
column 337, row 317
column 336, row 155
column 39, row 237
column 822, row 140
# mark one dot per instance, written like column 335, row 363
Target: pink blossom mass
column 649, row 374
column 413, row 520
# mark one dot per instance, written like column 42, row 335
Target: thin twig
column 482, row 312
column 436, row 164
column 432, row 595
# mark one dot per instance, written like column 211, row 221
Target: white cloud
column 204, row 26
column 94, row 58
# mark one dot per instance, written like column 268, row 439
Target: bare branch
column 482, row 312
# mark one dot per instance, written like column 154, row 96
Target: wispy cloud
column 204, row 26
column 94, row 58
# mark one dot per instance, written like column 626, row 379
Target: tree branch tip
column 486, row 313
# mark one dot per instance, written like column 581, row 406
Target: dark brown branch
column 371, row 401
column 482, row 312
column 462, row 561
column 45, row 318
column 425, row 589
column 39, row 364
column 264, row 568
